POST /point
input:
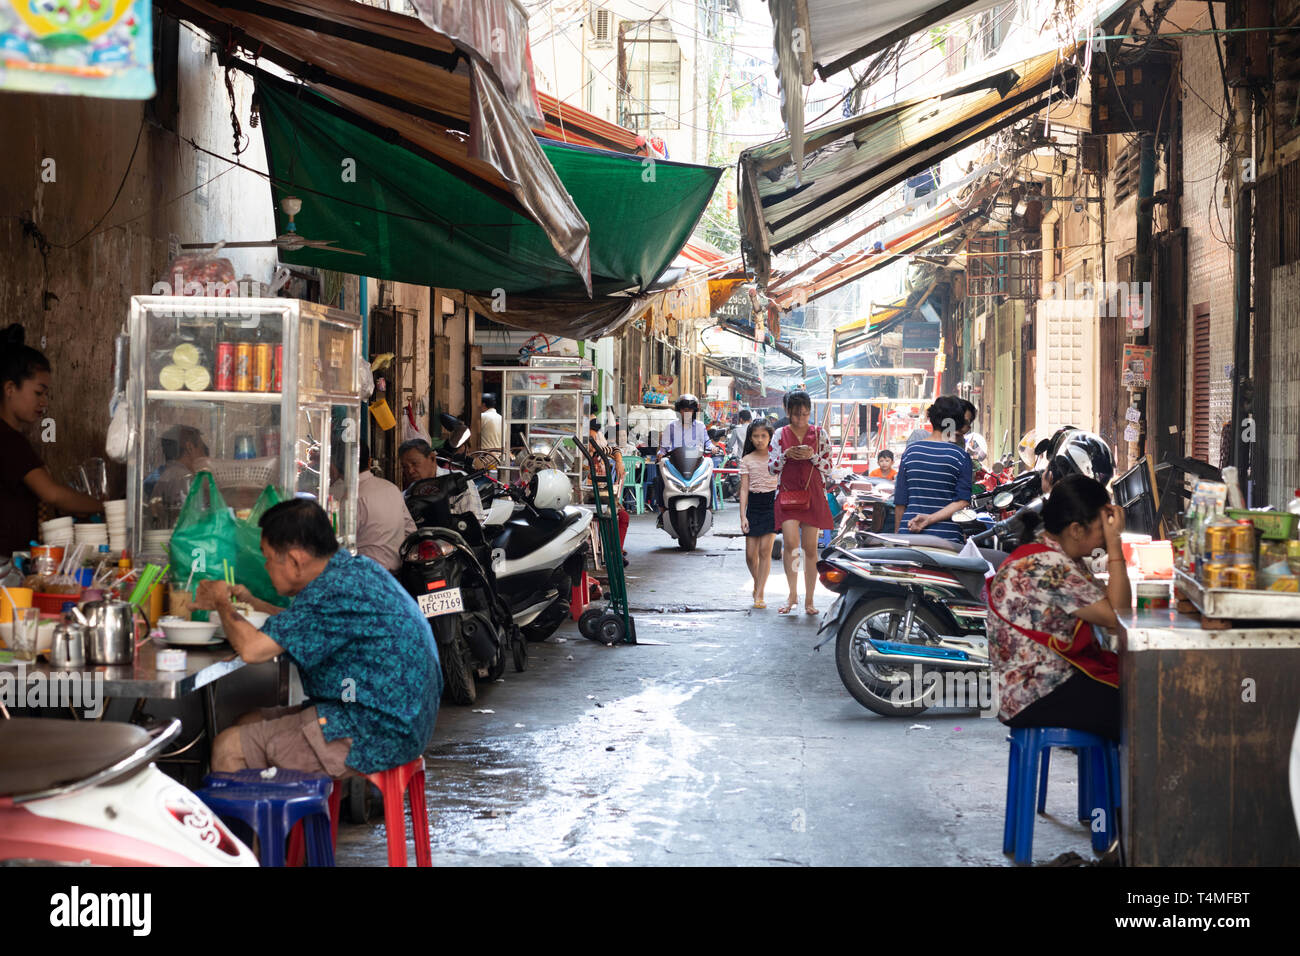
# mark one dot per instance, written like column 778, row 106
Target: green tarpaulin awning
column 416, row 222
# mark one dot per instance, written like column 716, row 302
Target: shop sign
column 77, row 49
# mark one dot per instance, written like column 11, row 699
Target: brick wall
column 1208, row 222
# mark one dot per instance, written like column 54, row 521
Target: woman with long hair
column 801, row 458
column 24, row 481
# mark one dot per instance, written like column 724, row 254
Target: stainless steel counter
column 1172, row 631
column 143, row 679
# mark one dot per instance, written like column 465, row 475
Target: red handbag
column 796, row 499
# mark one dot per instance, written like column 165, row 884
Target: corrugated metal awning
column 849, row 163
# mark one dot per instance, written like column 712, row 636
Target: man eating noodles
column 366, row 654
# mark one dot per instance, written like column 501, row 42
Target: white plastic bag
column 120, row 438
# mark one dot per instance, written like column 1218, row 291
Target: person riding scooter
column 686, row 431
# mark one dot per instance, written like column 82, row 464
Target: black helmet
column 1077, row 452
column 687, row 401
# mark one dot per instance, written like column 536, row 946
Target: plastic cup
column 22, row 597
column 25, row 636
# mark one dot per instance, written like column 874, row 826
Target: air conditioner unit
column 602, row 27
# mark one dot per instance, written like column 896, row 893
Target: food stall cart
column 542, row 401
column 264, row 388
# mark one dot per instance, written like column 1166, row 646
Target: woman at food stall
column 24, row 480
column 1044, row 603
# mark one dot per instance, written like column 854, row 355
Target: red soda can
column 278, row 374
column 225, row 366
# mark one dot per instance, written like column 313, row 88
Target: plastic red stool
column 581, row 598
column 407, row 779
column 297, row 852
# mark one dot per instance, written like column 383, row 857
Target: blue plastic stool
column 271, row 812
column 824, row 539
column 1028, row 763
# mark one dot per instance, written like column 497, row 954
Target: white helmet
column 550, row 488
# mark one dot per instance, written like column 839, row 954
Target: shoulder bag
column 794, row 499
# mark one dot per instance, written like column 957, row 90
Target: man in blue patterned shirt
column 366, row 654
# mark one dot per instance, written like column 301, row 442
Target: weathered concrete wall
column 63, row 161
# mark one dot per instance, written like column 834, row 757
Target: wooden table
column 1208, row 721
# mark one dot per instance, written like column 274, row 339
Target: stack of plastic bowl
column 91, row 535
column 153, row 545
column 115, row 513
column 57, row 533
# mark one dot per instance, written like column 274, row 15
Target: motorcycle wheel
column 519, row 650
column 548, row 622
column 458, row 673
column 499, row 667
column 589, row 622
column 776, row 549
column 686, row 541
column 361, row 801
column 872, row 685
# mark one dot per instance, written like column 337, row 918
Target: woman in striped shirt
column 935, row 476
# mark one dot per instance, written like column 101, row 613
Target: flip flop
column 785, row 609
column 809, row 609
column 760, row 605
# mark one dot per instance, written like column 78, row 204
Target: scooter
column 538, row 555
column 910, row 616
column 88, row 793
column 688, row 495
column 446, row 567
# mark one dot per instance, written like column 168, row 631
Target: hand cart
column 612, row 624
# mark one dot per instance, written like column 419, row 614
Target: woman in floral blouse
column 801, row 459
column 1050, row 669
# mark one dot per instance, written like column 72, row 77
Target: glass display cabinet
column 256, row 391
column 541, row 402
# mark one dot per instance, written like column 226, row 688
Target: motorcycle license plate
column 447, row 601
column 831, row 615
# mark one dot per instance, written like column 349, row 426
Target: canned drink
column 1217, row 542
column 1241, row 542
column 277, row 376
column 1215, row 574
column 225, row 366
column 244, row 367
column 262, row 367
column 1242, row 577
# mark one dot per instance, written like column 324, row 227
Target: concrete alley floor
column 728, row 742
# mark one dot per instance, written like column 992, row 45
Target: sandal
column 786, row 608
column 760, row 605
column 809, row 609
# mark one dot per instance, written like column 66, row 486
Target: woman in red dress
column 801, row 457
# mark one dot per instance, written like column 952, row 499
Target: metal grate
column 1288, row 220
column 1201, row 383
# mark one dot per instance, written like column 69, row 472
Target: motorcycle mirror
column 1003, row 500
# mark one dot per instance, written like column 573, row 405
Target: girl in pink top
column 757, row 506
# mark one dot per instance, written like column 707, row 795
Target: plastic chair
column 1028, row 764
column 289, row 779
column 271, row 812
column 634, row 481
column 717, row 492
column 407, row 779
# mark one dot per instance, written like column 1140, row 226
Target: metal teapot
column 68, row 647
column 112, row 632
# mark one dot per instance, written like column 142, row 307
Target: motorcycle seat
column 955, row 562
column 928, row 541
column 37, row 755
column 523, row 535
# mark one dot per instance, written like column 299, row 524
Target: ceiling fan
column 289, row 240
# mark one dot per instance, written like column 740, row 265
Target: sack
column 206, row 534
column 249, row 564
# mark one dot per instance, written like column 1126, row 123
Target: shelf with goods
column 256, row 391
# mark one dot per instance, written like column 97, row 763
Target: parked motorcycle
column 88, row 793
column 447, row 568
column 910, row 610
column 688, row 495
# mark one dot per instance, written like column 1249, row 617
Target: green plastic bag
column 250, row 565
column 206, row 535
